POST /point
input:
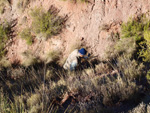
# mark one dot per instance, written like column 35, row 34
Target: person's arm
column 86, row 57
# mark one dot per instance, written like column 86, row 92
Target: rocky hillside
column 92, row 24
column 36, row 36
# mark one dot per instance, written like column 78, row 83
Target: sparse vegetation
column 38, row 86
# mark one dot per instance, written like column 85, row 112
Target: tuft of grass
column 76, row 45
column 26, row 35
column 4, row 62
column 46, row 23
column 23, row 4
column 29, row 59
column 33, row 100
column 52, row 56
column 3, row 4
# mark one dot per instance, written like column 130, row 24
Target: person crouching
column 74, row 59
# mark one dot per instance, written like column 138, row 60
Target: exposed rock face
column 83, row 24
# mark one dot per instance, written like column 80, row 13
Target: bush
column 126, row 46
column 135, row 27
column 130, row 68
column 46, row 23
column 145, row 45
column 26, row 35
column 139, row 29
column 4, row 32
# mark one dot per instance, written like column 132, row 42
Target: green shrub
column 145, row 45
column 26, row 35
column 135, row 27
column 47, row 23
column 4, row 31
column 139, row 29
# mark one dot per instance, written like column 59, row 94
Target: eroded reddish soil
column 83, row 25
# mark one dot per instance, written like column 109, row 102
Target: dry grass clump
column 3, row 4
column 130, row 68
column 23, row 4
column 115, row 90
column 141, row 108
column 123, row 46
column 52, row 56
column 33, row 100
column 119, row 91
column 29, row 59
column 4, row 62
column 103, row 68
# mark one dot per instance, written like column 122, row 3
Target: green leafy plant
column 145, row 45
column 26, row 35
column 139, row 29
column 46, row 23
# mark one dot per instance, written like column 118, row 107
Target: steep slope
column 91, row 24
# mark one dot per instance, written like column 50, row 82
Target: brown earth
column 84, row 24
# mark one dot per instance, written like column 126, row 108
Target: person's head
column 82, row 52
